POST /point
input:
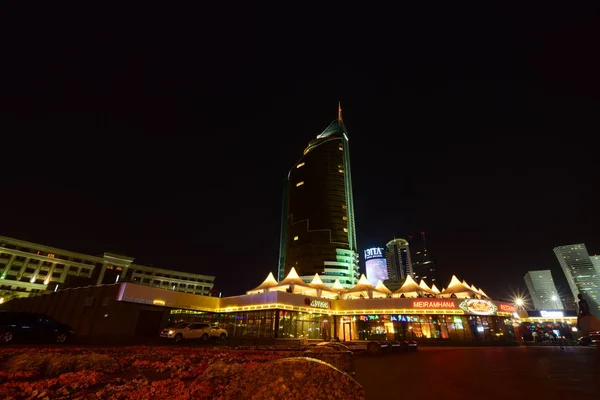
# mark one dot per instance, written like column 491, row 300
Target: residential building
column 318, row 233
column 29, row 268
column 581, row 274
column 423, row 265
column 542, row 290
column 398, row 258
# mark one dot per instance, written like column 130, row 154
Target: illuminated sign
column 376, row 270
column 479, row 307
column 552, row 314
column 317, row 303
column 433, row 304
column 159, row 302
column 507, row 308
column 374, row 252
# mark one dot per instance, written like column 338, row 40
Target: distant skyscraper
column 542, row 290
column 596, row 262
column 376, row 265
column 423, row 266
column 581, row 274
column 318, row 232
column 398, row 258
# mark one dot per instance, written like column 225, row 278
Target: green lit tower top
column 318, row 232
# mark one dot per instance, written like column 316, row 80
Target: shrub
column 53, row 364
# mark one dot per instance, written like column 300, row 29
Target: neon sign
column 507, row 308
column 552, row 314
column 479, row 307
column 433, row 304
column 375, row 252
column 317, row 303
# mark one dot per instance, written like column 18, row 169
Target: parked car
column 193, row 330
column 593, row 339
column 22, row 326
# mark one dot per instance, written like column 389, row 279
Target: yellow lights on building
column 300, row 165
column 346, row 230
column 50, row 255
column 159, row 302
column 300, row 183
column 343, row 207
column 1, row 300
column 341, row 148
column 341, row 171
column 345, row 218
column 295, row 238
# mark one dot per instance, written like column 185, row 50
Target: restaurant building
column 302, row 311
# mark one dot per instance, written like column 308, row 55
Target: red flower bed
column 125, row 373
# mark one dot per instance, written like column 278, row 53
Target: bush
column 54, row 364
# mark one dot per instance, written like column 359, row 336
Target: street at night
column 462, row 373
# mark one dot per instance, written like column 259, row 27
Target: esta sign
column 317, row 303
column 374, row 252
column 433, row 304
column 478, row 307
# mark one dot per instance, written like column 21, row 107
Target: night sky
column 165, row 133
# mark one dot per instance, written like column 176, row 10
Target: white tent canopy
column 265, row 286
column 322, row 289
column 296, row 284
column 363, row 288
column 423, row 285
column 434, row 289
column 337, row 287
column 409, row 288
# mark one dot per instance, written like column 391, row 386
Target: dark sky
column 166, row 133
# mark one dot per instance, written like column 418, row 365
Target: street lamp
column 554, row 299
column 519, row 302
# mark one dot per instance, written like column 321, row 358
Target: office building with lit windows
column 422, row 264
column 318, row 232
column 542, row 290
column 399, row 262
column 28, row 268
column 583, row 277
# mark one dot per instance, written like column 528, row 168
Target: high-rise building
column 398, row 258
column 581, row 274
column 542, row 290
column 318, row 232
column 376, row 265
column 595, row 259
column 423, row 265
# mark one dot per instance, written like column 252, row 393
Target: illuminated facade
column 583, row 277
column 542, row 290
column 399, row 262
column 28, row 268
column 376, row 265
column 422, row 264
column 318, row 232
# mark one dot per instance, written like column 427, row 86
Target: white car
column 193, row 330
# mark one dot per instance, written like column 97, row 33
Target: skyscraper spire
column 339, row 111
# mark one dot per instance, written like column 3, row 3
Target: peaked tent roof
column 317, row 283
column 292, row 278
column 409, row 286
column 267, row 283
column 424, row 286
column 474, row 288
column 363, row 284
column 337, row 286
column 434, row 289
column 457, row 286
column 380, row 287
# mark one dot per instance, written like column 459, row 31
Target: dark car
column 592, row 340
column 21, row 326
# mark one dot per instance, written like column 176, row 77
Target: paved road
column 483, row 373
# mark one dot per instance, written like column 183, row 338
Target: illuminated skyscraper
column 398, row 258
column 422, row 264
column 583, row 277
column 318, row 232
column 543, row 290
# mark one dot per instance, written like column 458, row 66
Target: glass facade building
column 318, row 232
column 399, row 260
column 581, row 274
column 542, row 290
